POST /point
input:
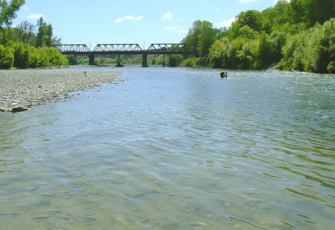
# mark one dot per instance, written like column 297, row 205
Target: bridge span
column 119, row 49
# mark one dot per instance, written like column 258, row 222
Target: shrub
column 6, row 57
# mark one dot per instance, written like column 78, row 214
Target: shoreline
column 23, row 89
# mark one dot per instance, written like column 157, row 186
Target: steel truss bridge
column 119, row 49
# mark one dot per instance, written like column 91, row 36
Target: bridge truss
column 155, row 48
column 73, row 48
column 167, row 48
column 118, row 48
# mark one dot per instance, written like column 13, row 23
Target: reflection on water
column 175, row 149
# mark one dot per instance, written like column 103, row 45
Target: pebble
column 21, row 89
column 43, row 216
column 198, row 223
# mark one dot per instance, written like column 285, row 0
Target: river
column 175, row 148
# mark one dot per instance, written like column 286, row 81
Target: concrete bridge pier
column 91, row 59
column 75, row 58
column 145, row 60
column 119, row 61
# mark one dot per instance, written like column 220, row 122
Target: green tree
column 6, row 57
column 153, row 62
column 218, row 53
column 319, row 11
column 48, row 36
column 264, row 51
column 251, row 18
column 192, row 37
column 44, row 35
column 21, row 54
column 40, row 38
column 205, row 38
column 8, row 11
column 25, row 32
column 6, row 36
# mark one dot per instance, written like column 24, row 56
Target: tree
column 44, row 35
column 25, row 31
column 312, row 11
column 205, row 38
column 319, row 11
column 191, row 39
column 153, row 62
column 251, row 18
column 6, row 35
column 7, row 11
column 6, row 57
column 42, row 27
column 173, row 61
column 48, row 35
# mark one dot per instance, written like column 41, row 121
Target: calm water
column 175, row 149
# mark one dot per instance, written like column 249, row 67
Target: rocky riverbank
column 21, row 89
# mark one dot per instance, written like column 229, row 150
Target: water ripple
column 175, row 149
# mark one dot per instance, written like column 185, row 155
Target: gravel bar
column 21, row 89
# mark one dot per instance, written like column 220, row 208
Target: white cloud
column 226, row 23
column 35, row 16
column 26, row 8
column 119, row 20
column 129, row 17
column 167, row 16
column 171, row 28
column 218, row 9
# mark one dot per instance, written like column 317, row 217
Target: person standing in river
column 224, row 74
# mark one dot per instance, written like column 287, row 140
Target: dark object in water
column 224, row 74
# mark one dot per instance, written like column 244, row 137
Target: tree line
column 26, row 45
column 299, row 34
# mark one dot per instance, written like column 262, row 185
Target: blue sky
column 132, row 21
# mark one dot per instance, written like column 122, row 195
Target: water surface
column 175, row 149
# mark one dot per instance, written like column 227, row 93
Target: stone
column 18, row 109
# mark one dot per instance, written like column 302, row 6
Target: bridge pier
column 75, row 58
column 91, row 59
column 145, row 60
column 163, row 60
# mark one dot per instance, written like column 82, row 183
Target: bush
column 71, row 59
column 174, row 60
column 6, row 57
column 21, row 55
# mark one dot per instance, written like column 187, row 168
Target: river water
column 175, row 148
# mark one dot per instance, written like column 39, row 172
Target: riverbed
column 175, row 148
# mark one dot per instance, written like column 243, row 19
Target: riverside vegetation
column 299, row 35
column 23, row 46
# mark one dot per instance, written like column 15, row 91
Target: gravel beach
column 21, row 89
